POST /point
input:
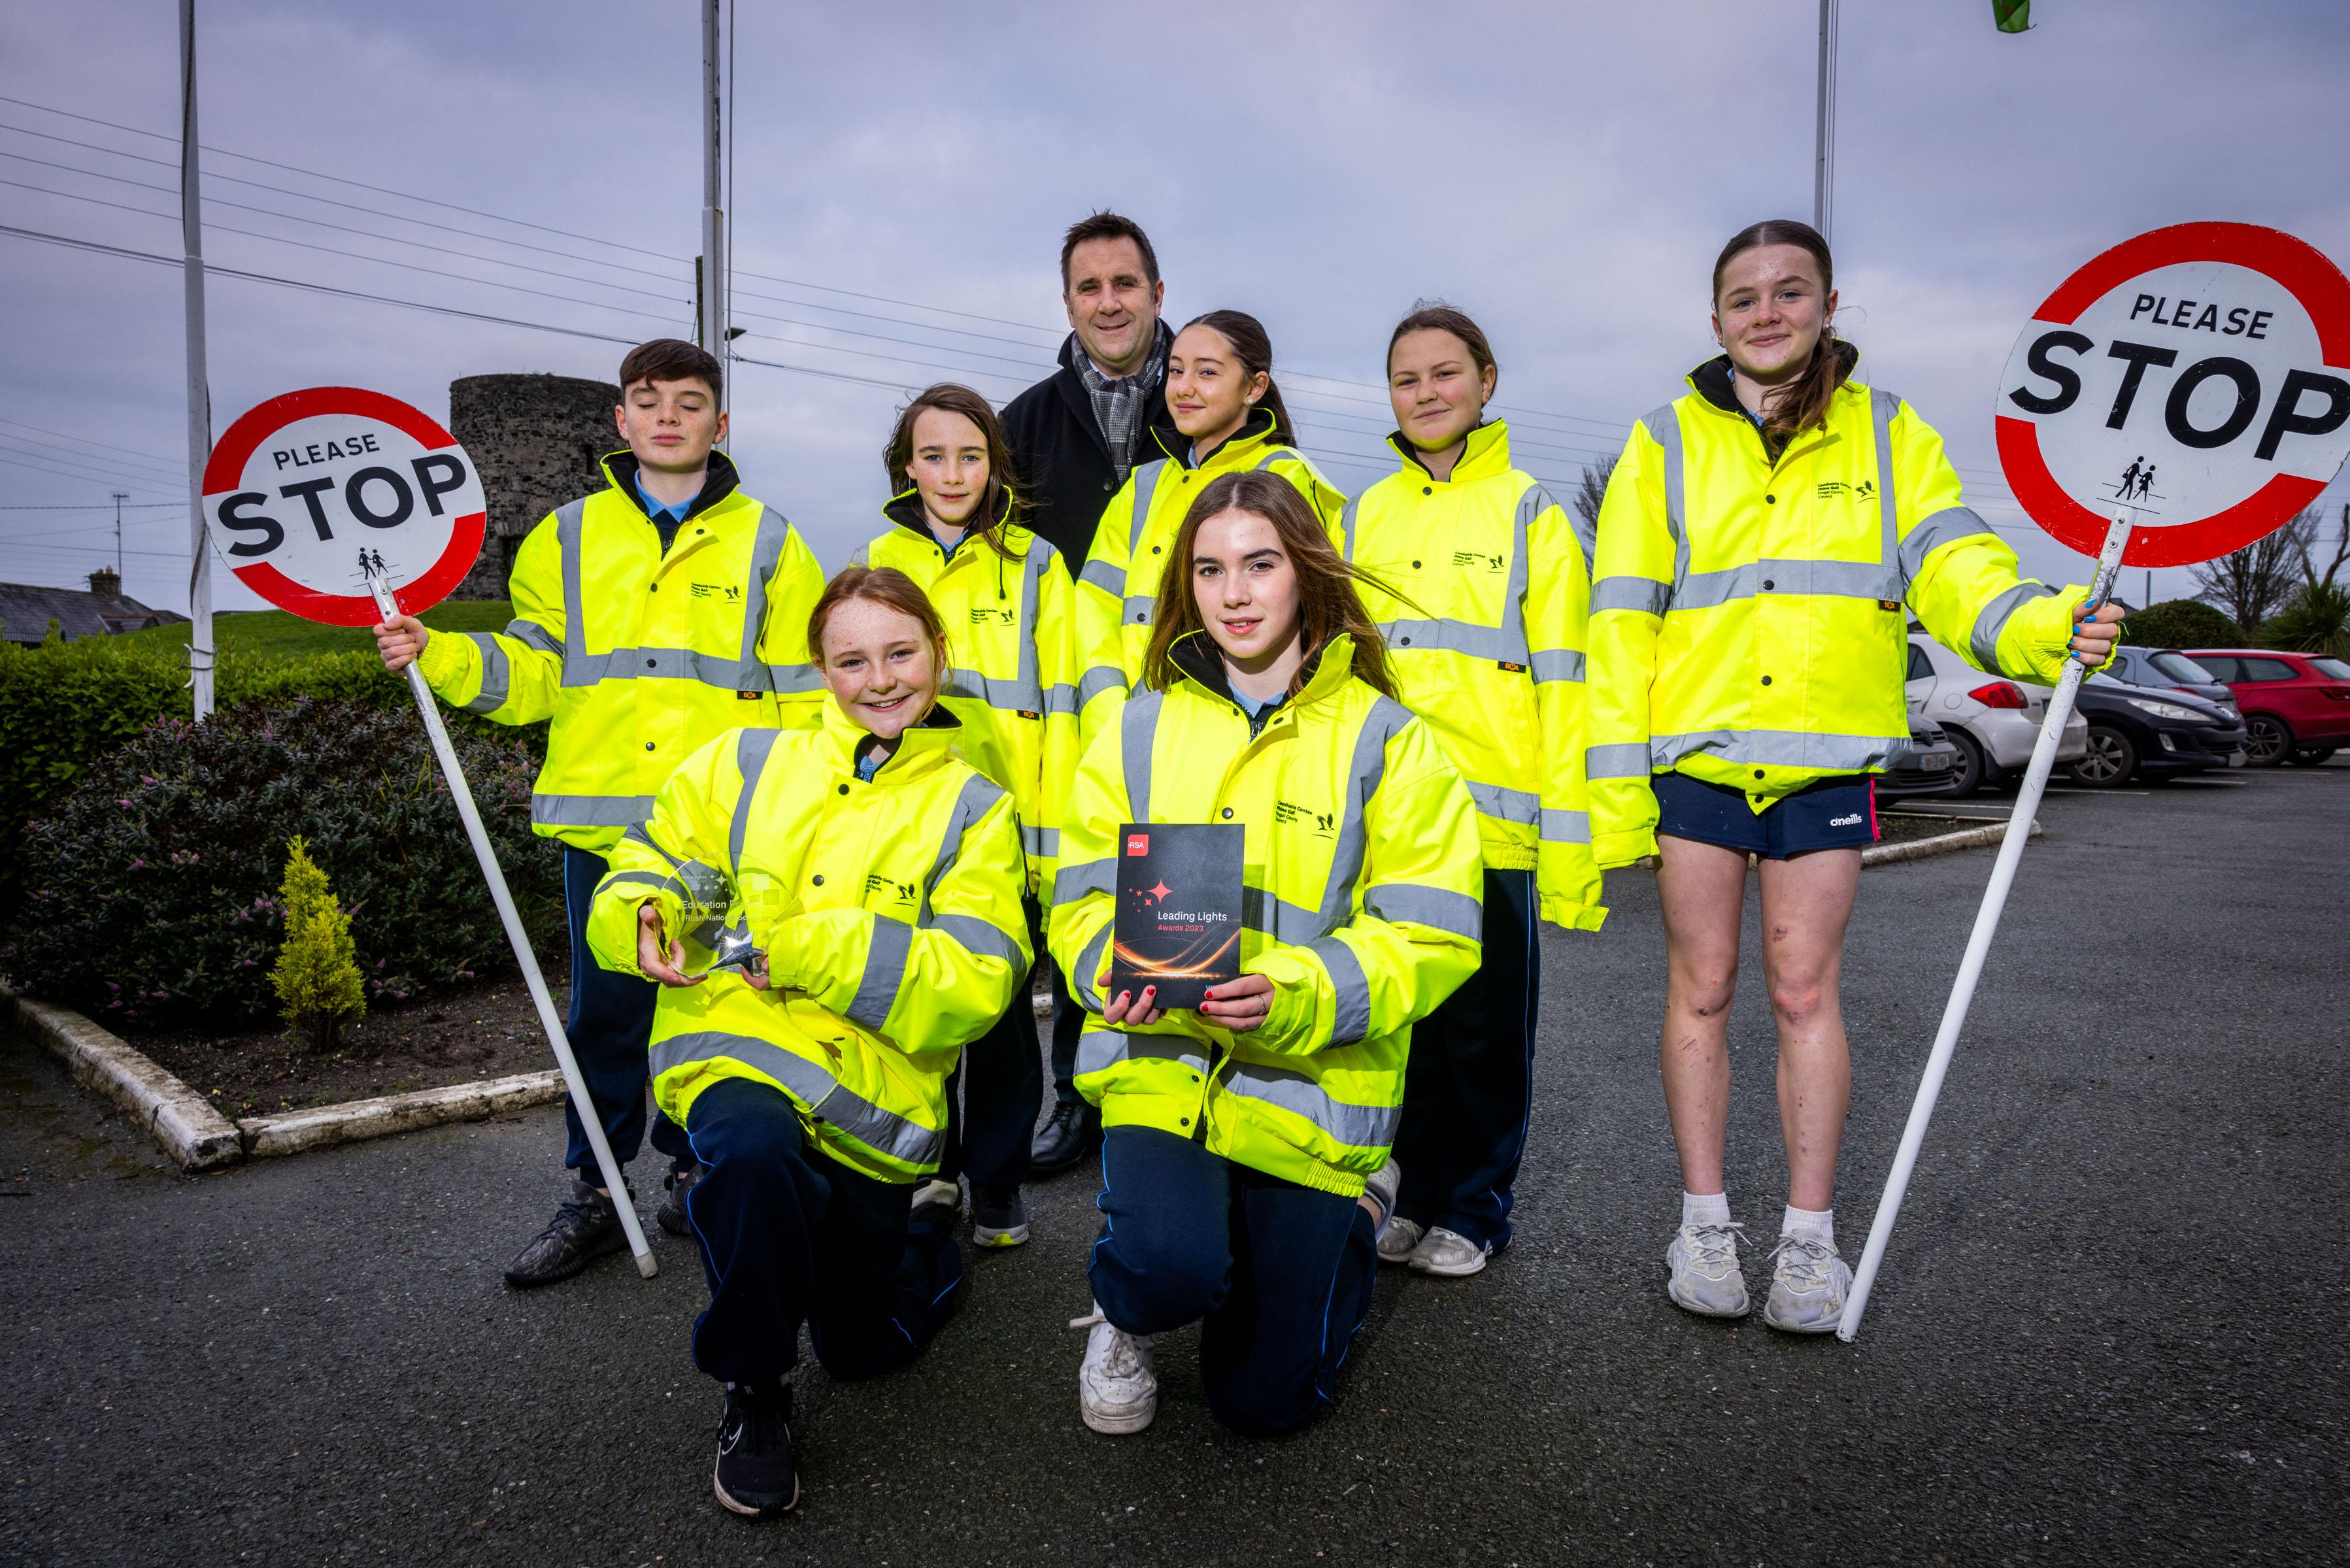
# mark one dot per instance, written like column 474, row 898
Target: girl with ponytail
column 1765, row 540
column 1230, row 417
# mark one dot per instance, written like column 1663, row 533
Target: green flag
column 2012, row 16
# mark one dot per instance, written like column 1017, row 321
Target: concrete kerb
column 1940, row 844
column 192, row 1131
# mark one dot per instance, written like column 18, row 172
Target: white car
column 1993, row 721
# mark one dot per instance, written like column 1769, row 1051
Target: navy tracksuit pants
column 1469, row 1084
column 610, row 1027
column 1277, row 1275
column 790, row 1235
column 991, row 1095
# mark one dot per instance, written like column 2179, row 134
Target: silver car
column 1993, row 721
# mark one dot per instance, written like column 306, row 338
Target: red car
column 2296, row 705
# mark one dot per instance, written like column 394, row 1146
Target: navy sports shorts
column 1838, row 813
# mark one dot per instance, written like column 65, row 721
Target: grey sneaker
column 1706, row 1278
column 1380, row 1187
column 1449, row 1255
column 1398, row 1238
column 1807, row 1287
column 585, row 1226
column 1118, row 1391
column 998, row 1216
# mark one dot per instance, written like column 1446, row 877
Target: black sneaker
column 672, row 1216
column 1073, row 1133
column 998, row 1217
column 584, row 1229
column 755, row 1474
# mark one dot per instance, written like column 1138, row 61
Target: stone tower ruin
column 537, row 441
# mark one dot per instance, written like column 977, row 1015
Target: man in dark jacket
column 1074, row 435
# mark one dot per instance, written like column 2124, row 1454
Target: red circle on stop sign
column 2198, row 375
column 311, row 493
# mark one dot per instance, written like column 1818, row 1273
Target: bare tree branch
column 2254, row 583
column 1593, row 490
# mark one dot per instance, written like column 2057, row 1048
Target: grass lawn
column 275, row 631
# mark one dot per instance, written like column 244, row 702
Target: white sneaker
column 1706, row 1278
column 1807, row 1288
column 1380, row 1186
column 1118, row 1392
column 1398, row 1238
column 1449, row 1253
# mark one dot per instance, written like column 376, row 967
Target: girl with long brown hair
column 1245, row 1166
column 1762, row 538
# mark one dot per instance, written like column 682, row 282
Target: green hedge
column 63, row 706
column 2180, row 623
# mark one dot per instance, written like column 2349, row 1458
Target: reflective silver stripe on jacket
column 1098, row 1049
column 1777, row 748
column 1089, row 969
column 745, row 673
column 1138, row 724
column 766, row 553
column 1350, row 1015
column 1365, row 771
column 1558, row 664
column 589, row 810
column 497, row 675
column 1947, row 526
column 1292, row 925
column 1503, row 645
column 1073, row 882
column 1346, row 527
column 813, row 1086
column 1139, row 609
column 1503, row 804
column 569, row 520
column 1561, row 826
column 1101, row 678
column 1664, row 427
column 1039, row 842
column 885, row 972
column 1105, row 576
column 1820, row 579
column 530, row 634
column 1644, row 595
column 1621, row 760
column 975, row 800
column 1018, row 695
column 1984, row 639
column 1437, row 908
column 1145, row 480
column 1360, row 1126
column 1882, row 407
column 751, row 748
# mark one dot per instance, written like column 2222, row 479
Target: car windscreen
column 2178, row 667
column 2332, row 669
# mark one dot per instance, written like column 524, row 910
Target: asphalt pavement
column 2110, row 1329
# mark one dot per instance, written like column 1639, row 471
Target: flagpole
column 199, row 411
column 1824, row 146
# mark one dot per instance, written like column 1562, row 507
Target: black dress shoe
column 1074, row 1132
column 672, row 1216
column 755, row 1474
column 584, row 1229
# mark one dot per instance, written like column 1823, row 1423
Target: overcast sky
column 1563, row 172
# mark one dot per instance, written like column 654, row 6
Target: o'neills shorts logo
column 1137, row 844
column 1852, row 821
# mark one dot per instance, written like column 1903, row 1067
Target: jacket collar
column 1326, row 668
column 923, row 746
column 719, row 482
column 905, row 509
column 1486, row 454
column 1231, row 453
column 1713, row 380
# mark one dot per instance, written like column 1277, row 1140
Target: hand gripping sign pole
column 307, row 483
column 2186, row 393
column 576, row 1084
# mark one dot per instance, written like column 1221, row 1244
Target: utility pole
column 199, row 411
column 713, row 217
column 120, row 497
column 1824, row 156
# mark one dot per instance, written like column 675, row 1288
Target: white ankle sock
column 1817, row 1224
column 1707, row 1209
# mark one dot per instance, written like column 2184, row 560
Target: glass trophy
column 713, row 931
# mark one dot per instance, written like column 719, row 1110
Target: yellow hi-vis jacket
column 1747, row 623
column 1485, row 629
column 1117, row 589
column 1011, row 649
column 890, row 912
column 637, row 656
column 1361, row 902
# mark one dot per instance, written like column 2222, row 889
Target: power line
column 97, row 506
column 173, row 467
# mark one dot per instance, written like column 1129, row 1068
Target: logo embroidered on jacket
column 1321, row 822
column 890, row 888
column 983, row 615
column 1865, row 491
column 1474, row 559
column 1832, row 488
column 731, row 592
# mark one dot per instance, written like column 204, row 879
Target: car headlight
column 2171, row 711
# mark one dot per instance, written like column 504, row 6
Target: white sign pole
column 531, row 977
column 1994, row 901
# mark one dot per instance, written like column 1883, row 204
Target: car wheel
column 1971, row 772
column 2311, row 756
column 2268, row 740
column 2110, row 761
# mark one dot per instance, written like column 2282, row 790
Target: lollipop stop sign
column 2180, row 397
column 347, row 506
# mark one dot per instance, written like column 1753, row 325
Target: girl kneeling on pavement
column 1485, row 630
column 882, row 876
column 1006, row 598
column 1239, row 1135
column 1762, row 539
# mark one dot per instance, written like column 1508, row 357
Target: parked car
column 1993, row 722
column 2152, row 732
column 2296, row 706
column 2168, row 667
column 1929, row 766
